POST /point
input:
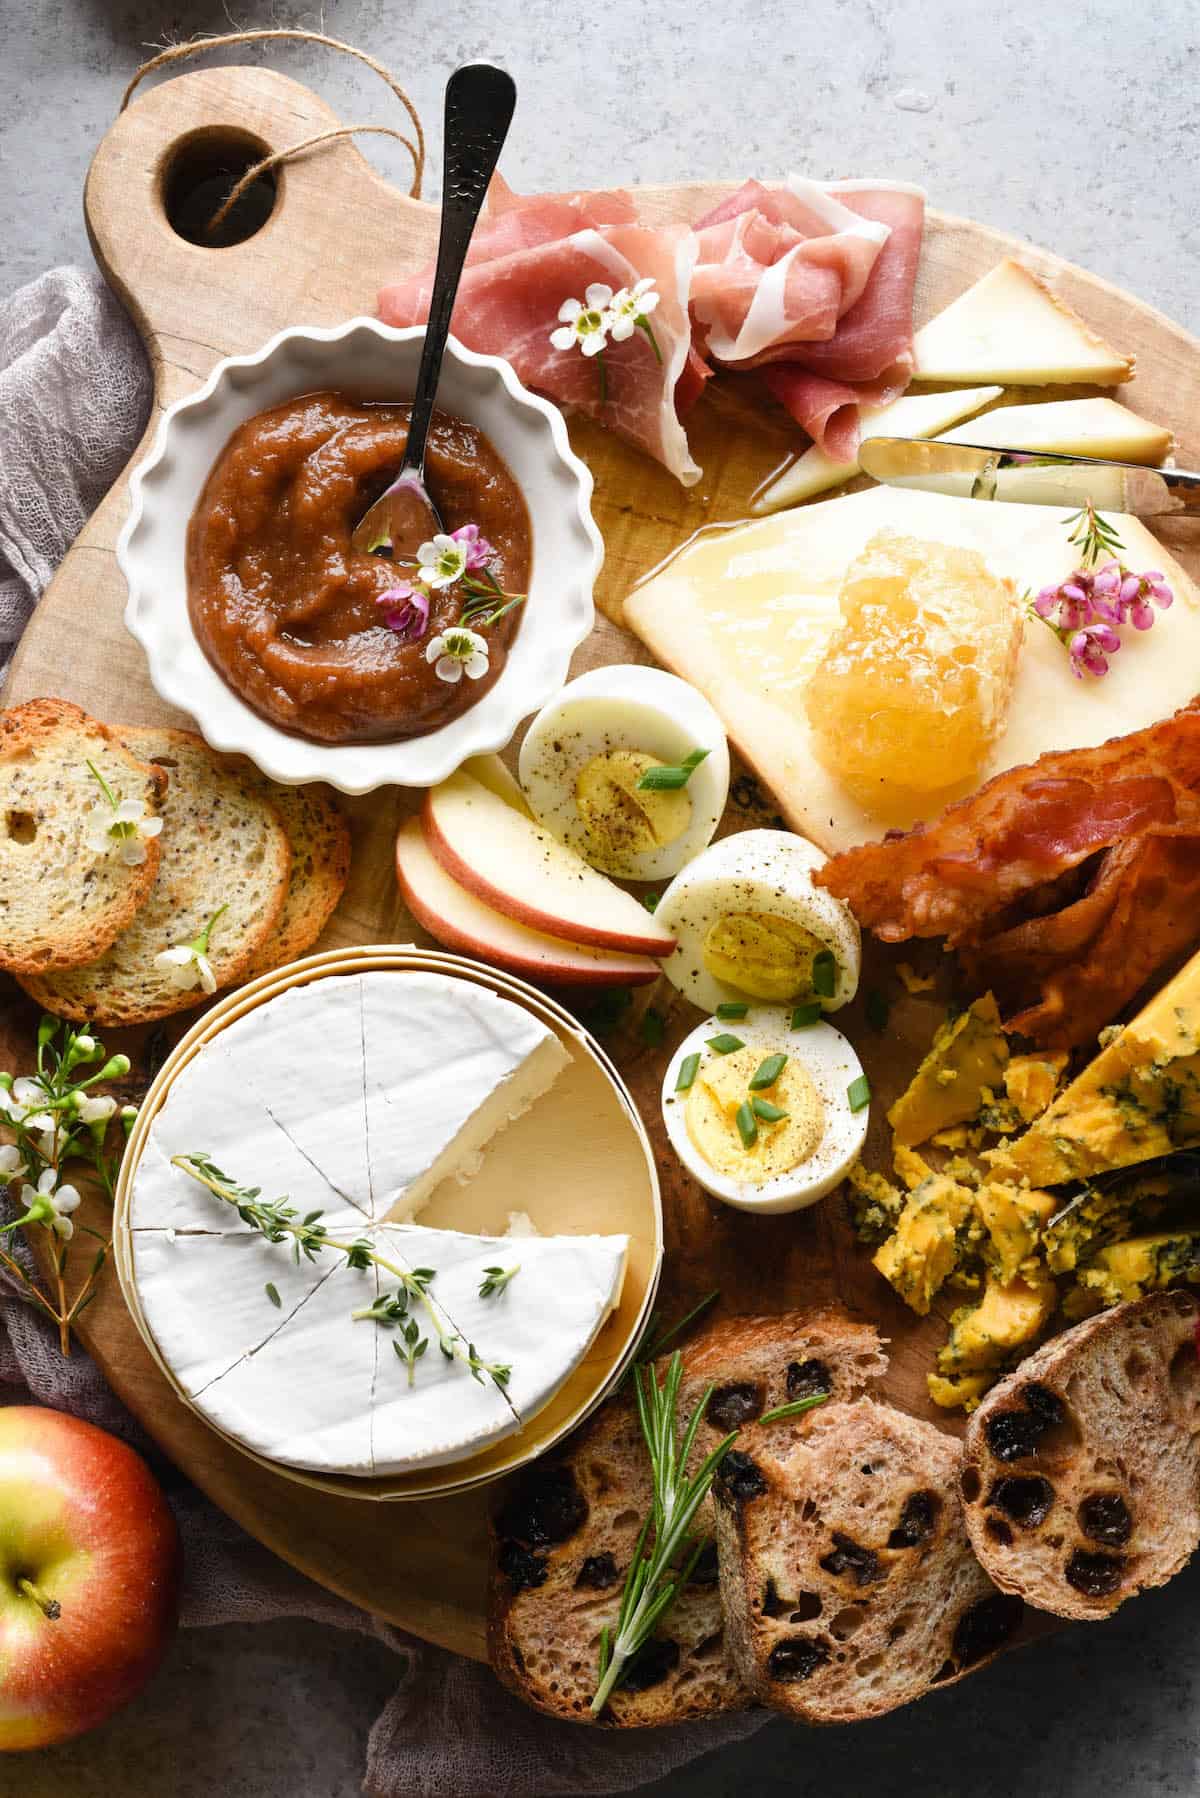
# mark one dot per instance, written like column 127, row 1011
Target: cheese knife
column 975, row 471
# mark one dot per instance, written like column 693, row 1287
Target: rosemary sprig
column 662, row 1341
column 495, row 1279
column 1093, row 536
column 277, row 1221
column 666, row 1550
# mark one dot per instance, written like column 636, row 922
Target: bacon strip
column 1068, row 882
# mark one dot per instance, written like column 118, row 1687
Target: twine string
column 172, row 53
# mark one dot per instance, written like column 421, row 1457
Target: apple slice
column 458, row 920
column 491, row 773
column 518, row 868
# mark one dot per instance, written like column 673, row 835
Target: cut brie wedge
column 1011, row 328
column 275, row 1349
column 914, row 415
column 1095, row 427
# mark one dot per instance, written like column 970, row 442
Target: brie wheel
column 354, row 1096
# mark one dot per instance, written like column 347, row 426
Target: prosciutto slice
column 1067, row 883
column 782, row 269
column 868, row 360
column 533, row 253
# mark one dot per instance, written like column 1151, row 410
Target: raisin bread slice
column 565, row 1531
column 847, row 1578
column 1081, row 1474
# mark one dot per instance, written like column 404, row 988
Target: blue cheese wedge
column 268, row 1347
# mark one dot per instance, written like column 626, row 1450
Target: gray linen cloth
column 74, row 396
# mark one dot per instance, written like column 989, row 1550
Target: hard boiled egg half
column 605, row 768
column 765, row 1114
column 749, row 923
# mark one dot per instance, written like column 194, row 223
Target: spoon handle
column 479, row 108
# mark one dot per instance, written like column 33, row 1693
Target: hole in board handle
column 199, row 173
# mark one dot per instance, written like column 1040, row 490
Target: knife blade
column 977, row 471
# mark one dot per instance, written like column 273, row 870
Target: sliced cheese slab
column 1011, row 328
column 913, row 415
column 745, row 615
column 1095, row 427
column 305, row 1395
column 206, row 1302
column 448, row 1064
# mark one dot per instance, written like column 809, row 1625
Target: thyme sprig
column 52, row 1118
column 667, row 1550
column 1093, row 536
column 495, row 1279
column 278, row 1221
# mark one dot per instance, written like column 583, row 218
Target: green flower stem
column 200, row 944
column 643, row 324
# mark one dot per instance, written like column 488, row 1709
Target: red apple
column 519, row 869
column 458, row 920
column 89, row 1574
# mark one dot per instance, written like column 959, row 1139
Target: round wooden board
column 336, row 234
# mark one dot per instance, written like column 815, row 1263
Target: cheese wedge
column 390, row 1083
column 746, row 615
column 1095, row 427
column 913, row 415
column 1011, row 328
column 420, row 1071
column 1138, row 1099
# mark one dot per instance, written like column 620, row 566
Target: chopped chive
column 804, row 1015
column 688, row 1069
column 730, row 1010
column 859, row 1092
column 747, row 1125
column 770, row 1114
column 795, row 1408
column 654, row 1027
column 650, row 901
column 725, row 1044
column 272, row 1292
column 824, row 974
column 767, row 1072
column 667, row 779
column 877, row 1009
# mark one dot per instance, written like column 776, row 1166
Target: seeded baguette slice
column 61, row 902
column 223, row 843
column 1081, row 1476
column 847, row 1577
column 564, row 1533
column 319, row 837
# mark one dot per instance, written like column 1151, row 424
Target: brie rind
column 305, row 1396
column 301, row 1056
column 1011, row 328
column 205, row 1299
column 545, row 1319
column 1095, row 427
column 913, row 415
column 447, row 1066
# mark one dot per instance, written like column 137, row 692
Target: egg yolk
column 722, row 1085
column 762, row 954
column 622, row 817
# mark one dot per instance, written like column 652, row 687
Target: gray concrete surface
column 1073, row 124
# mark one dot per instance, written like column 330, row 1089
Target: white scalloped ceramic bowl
column 372, row 362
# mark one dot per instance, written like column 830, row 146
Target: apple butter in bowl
column 330, row 642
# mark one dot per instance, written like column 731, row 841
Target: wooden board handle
column 196, row 302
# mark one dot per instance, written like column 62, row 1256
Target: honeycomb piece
column 915, row 683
